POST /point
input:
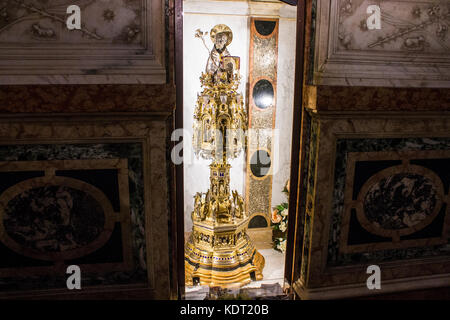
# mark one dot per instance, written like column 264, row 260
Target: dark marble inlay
column 8, row 179
column 400, row 201
column 306, row 247
column 434, row 229
column 263, row 94
column 104, row 179
column 133, row 152
column 260, row 163
column 53, row 219
column 343, row 147
column 264, row 27
column 358, row 235
column 440, row 167
column 365, row 169
column 12, row 259
column 313, row 127
column 110, row 252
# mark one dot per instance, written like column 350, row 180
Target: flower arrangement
column 279, row 223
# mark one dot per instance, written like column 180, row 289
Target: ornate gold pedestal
column 236, row 261
column 219, row 251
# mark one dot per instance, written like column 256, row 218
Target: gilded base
column 223, row 266
column 219, row 252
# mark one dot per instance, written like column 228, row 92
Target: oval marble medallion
column 263, row 94
column 400, row 201
column 260, row 163
column 60, row 219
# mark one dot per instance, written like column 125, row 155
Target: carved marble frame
column 111, row 216
column 332, row 66
column 323, row 281
column 125, row 65
column 150, row 129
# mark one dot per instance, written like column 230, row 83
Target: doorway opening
column 238, row 96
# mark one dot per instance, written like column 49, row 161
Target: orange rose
column 275, row 216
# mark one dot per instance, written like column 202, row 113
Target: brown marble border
column 87, row 98
column 345, row 98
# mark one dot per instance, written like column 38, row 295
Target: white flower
column 282, row 245
column 285, row 212
column 283, row 226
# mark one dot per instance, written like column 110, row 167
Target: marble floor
column 270, row 286
column 273, row 271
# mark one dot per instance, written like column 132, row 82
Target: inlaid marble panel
column 60, row 212
column 383, row 197
column 376, row 192
column 76, row 211
column 79, row 190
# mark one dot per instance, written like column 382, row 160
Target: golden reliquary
column 219, row 252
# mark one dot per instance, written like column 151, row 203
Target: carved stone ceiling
column 410, row 49
column 120, row 41
column 405, row 27
column 44, row 22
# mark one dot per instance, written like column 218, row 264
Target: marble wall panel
column 60, row 168
column 402, row 157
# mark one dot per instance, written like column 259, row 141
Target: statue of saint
column 221, row 35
